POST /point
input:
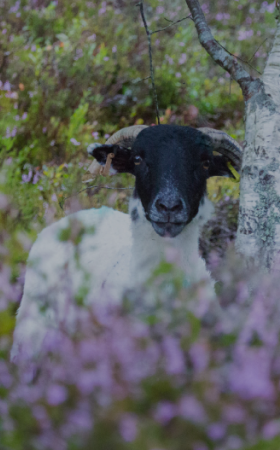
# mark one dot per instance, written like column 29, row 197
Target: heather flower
column 13, row 132
column 79, row 54
column 165, row 411
column 250, row 374
column 271, row 429
column 128, row 427
column 175, row 363
column 200, row 356
column 191, row 409
column 74, row 142
column 15, row 8
column 36, row 178
column 27, row 177
column 222, row 16
column 80, row 420
column 56, row 394
column 169, row 59
column 216, row 431
column 242, row 34
column 7, row 86
column 266, row 7
column 234, row 414
column 103, row 9
column 183, row 58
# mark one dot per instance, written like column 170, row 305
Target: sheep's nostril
column 169, row 206
column 177, row 207
column 161, row 206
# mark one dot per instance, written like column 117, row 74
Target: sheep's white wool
column 149, row 248
column 120, row 254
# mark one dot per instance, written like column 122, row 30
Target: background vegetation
column 72, row 73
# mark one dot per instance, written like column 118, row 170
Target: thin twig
column 171, row 24
column 258, row 49
column 141, row 79
column 151, row 58
column 238, row 57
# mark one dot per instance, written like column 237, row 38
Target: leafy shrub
column 75, row 72
column 177, row 374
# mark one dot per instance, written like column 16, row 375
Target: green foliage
column 266, row 445
column 73, row 73
column 72, row 69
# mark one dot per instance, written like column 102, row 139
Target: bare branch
column 258, row 49
column 137, row 80
column 227, row 61
column 167, row 20
column 171, row 24
column 240, row 59
column 151, row 57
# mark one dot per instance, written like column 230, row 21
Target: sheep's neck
column 149, row 249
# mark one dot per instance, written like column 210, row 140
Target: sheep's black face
column 171, row 165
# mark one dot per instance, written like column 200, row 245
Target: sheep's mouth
column 168, row 229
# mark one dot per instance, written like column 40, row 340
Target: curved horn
column 226, row 145
column 126, row 136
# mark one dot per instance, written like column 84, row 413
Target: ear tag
column 234, row 173
column 104, row 171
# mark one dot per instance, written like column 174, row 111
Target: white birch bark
column 258, row 237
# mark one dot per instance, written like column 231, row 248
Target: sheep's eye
column 206, row 164
column 137, row 160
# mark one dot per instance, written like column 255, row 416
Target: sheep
column 171, row 165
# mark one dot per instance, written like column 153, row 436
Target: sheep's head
column 171, row 165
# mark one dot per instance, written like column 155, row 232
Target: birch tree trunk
column 258, row 235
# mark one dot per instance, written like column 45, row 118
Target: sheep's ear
column 219, row 167
column 121, row 163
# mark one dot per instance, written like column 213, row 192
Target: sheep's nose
column 168, row 206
